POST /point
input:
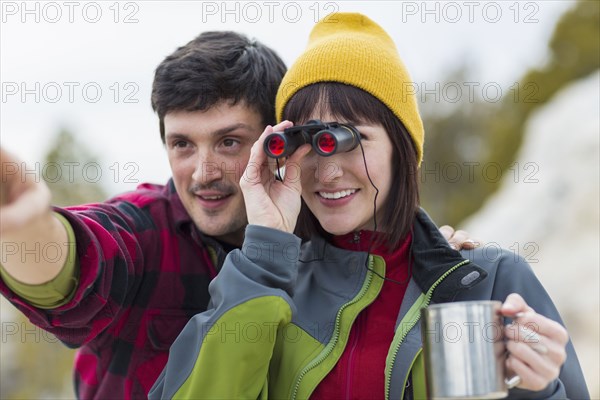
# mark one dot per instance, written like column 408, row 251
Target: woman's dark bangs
column 341, row 102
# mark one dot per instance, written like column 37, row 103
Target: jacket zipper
column 421, row 302
column 336, row 332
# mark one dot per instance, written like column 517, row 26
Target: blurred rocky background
column 523, row 174
column 549, row 215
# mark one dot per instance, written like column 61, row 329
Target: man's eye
column 180, row 144
column 229, row 142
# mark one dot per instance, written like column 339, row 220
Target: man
column 133, row 270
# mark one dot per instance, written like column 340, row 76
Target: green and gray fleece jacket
column 281, row 313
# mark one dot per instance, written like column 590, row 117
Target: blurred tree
column 469, row 147
column 70, row 172
column 33, row 363
column 450, row 178
column 575, row 53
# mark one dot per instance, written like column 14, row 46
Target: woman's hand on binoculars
column 536, row 344
column 269, row 202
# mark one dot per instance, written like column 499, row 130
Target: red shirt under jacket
column 359, row 374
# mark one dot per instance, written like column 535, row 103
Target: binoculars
column 326, row 138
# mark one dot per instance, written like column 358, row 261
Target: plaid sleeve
column 111, row 240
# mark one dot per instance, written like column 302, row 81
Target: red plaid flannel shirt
column 144, row 272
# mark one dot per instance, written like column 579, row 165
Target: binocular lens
column 326, row 143
column 282, row 144
column 335, row 139
column 276, row 145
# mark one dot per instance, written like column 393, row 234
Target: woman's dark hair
column 216, row 67
column 352, row 105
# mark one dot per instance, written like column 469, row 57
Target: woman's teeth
column 337, row 195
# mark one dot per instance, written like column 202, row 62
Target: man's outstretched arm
column 28, row 225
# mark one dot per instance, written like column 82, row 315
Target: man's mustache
column 217, row 186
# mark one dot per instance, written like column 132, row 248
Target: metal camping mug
column 465, row 351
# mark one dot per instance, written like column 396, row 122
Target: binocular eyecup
column 327, row 139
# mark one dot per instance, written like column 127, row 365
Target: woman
column 338, row 317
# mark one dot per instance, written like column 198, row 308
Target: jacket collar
column 433, row 257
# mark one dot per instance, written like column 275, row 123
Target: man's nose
column 208, row 169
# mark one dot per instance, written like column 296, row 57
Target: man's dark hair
column 217, row 67
column 352, row 105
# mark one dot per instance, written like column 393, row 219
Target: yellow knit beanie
column 350, row 48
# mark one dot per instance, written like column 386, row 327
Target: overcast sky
column 88, row 66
